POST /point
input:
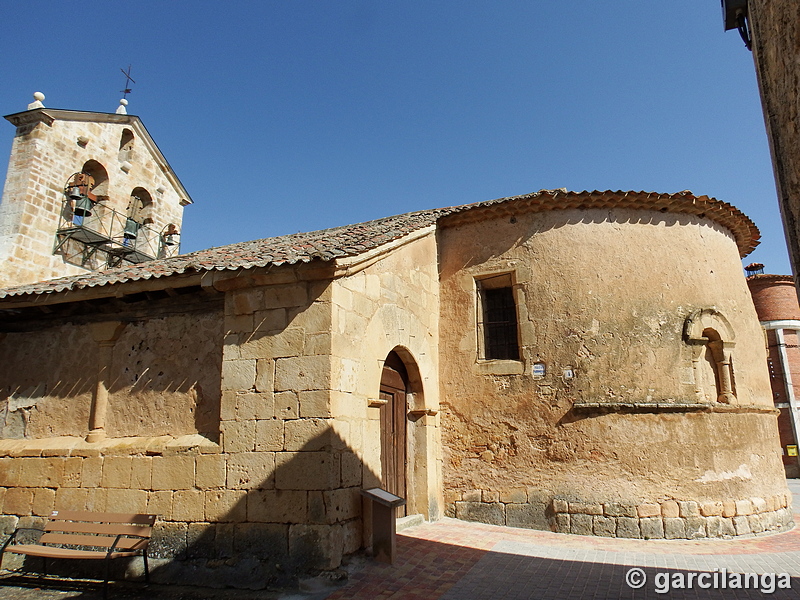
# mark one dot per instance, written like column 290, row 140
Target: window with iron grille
column 498, row 328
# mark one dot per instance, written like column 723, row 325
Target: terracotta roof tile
column 351, row 240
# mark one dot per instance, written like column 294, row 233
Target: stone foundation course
column 671, row 519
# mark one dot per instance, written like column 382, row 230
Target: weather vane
column 128, row 81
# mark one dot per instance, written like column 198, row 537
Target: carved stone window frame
column 708, row 328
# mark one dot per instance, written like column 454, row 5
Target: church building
column 582, row 362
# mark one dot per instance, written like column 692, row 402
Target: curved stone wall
column 642, row 373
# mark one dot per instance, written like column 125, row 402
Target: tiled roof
column 352, row 240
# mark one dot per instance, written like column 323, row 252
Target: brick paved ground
column 455, row 560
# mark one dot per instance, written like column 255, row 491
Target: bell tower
column 85, row 191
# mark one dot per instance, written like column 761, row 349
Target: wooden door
column 393, row 431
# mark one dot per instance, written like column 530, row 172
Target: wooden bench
column 109, row 535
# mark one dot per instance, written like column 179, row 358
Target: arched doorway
column 394, row 419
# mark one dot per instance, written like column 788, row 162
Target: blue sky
column 290, row 116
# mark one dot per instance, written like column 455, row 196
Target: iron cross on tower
column 128, row 81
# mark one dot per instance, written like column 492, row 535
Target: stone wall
column 626, row 410
column 670, row 519
column 164, row 378
column 296, row 478
column 390, row 303
column 775, row 28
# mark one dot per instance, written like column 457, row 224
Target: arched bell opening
column 138, row 212
column 126, row 142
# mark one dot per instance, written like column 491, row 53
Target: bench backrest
column 98, row 529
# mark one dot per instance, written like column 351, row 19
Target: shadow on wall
column 282, row 515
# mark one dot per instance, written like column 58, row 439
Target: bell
column 131, row 229
column 74, row 193
column 83, row 206
column 169, row 239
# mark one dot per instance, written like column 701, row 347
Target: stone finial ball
column 38, row 96
column 123, row 102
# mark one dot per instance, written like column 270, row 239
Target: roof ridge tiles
column 355, row 239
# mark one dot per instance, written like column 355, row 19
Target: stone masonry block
column 562, row 523
column 142, row 473
column 286, row 343
column 251, row 470
column 652, row 528
column 308, row 435
column 674, row 528
column 342, row 505
column 711, row 508
column 756, row 523
column 71, row 498
column 586, row 508
column 265, row 375
column 18, row 501
column 238, row 436
column 264, row 541
column 303, row 373
column 247, row 301
column 560, row 506
column 581, row 524
column 97, row 500
column 9, row 472
column 604, row 526
column 718, row 527
column 741, row 524
column 493, row 513
column 472, row 496
column 648, row 510
column 314, row 404
column 285, row 296
column 351, row 469
column 531, row 515
column 72, row 472
column 318, row 546
column 695, row 527
column 307, row 471
column 759, row 504
column 744, row 508
column 117, row 472
column 210, row 471
column 44, row 500
column 490, row 496
column 728, row 508
column 253, row 405
column 670, row 509
column 173, row 472
column 160, row 503
column 287, row 405
column 188, row 505
column 616, row 509
column 41, row 472
column 238, row 375
column 628, row 527
column 689, row 508
column 269, row 435
column 277, row 506
column 226, row 506
column 126, row 501
column 270, row 320
column 514, row 496
column 168, row 541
